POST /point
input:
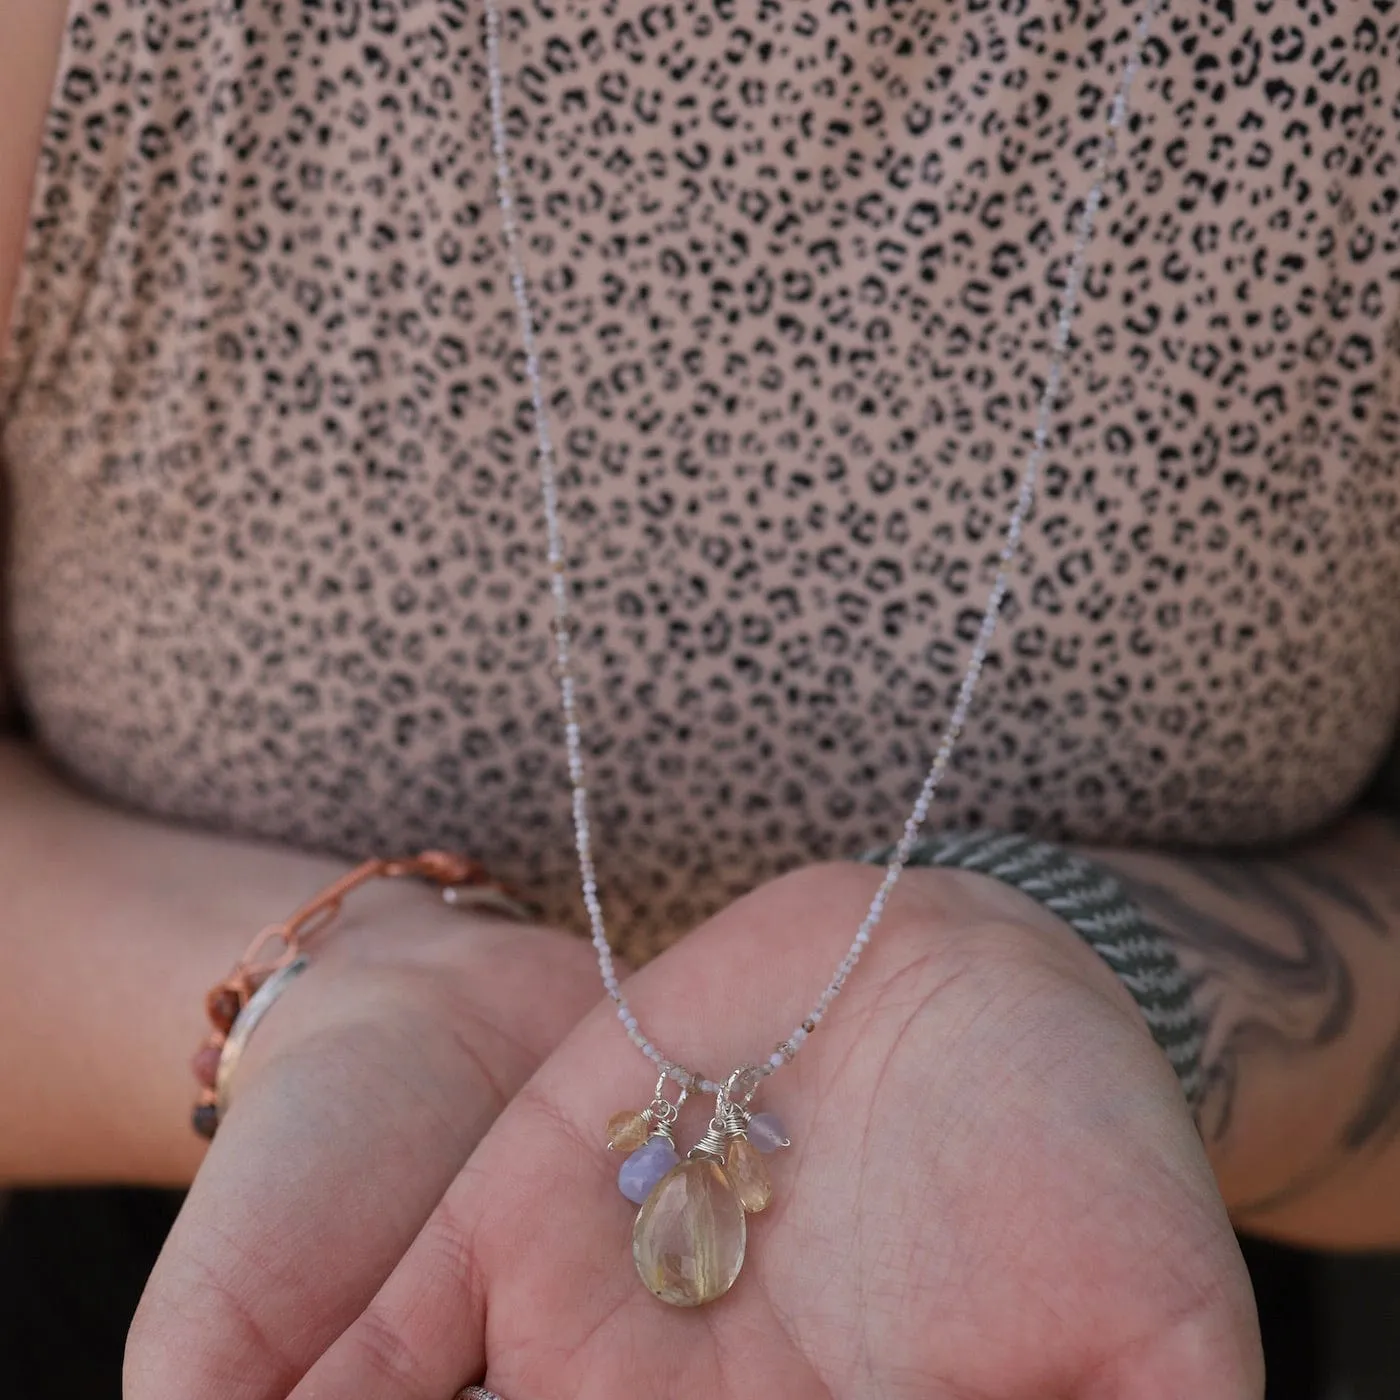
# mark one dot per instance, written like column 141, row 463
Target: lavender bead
column 765, row 1131
column 645, row 1167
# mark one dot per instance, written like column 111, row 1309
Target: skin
column 1094, row 1261
column 365, row 1225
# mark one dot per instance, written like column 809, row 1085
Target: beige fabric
column 276, row 563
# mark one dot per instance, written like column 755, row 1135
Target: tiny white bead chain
column 559, row 583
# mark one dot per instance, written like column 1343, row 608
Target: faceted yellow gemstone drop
column 627, row 1131
column 746, row 1169
column 689, row 1238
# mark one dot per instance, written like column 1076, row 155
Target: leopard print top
column 277, row 558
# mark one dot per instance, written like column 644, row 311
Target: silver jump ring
column 661, row 1109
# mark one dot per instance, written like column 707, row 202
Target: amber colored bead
column 205, row 1065
column 224, row 1008
column 205, row 1119
column 749, row 1175
column 628, row 1130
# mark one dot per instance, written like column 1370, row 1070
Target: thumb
column 322, row 1173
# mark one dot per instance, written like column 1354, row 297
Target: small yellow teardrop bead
column 746, row 1169
column 627, row 1131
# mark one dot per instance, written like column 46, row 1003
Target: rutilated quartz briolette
column 689, row 1238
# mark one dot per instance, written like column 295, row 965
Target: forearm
column 112, row 929
column 1296, row 961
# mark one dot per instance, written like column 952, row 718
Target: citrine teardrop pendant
column 748, row 1175
column 689, row 1238
column 627, row 1131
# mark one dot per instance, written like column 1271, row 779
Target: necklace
column 690, row 1235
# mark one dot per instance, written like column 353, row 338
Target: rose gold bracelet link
column 464, row 883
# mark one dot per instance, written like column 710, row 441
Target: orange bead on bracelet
column 464, row 884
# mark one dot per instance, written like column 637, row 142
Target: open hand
column 995, row 1190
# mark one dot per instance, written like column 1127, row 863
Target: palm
column 970, row 1207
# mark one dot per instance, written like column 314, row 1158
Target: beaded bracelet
column 236, row 1005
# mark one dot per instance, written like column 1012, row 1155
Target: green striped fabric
column 1093, row 903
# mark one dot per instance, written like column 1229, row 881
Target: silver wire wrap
column 661, row 1113
column 730, row 1120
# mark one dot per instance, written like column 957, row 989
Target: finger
column 525, row 1215
column 297, row 1215
column 423, row 1335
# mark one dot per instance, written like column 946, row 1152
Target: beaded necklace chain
column 689, row 1236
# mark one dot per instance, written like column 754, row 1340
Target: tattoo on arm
column 1377, row 1117
column 1293, row 994
column 1265, row 944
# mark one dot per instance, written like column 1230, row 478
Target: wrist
column 1087, row 898
column 994, row 915
column 401, row 964
column 1047, row 939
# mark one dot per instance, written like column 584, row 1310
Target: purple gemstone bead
column 645, row 1167
column 765, row 1131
